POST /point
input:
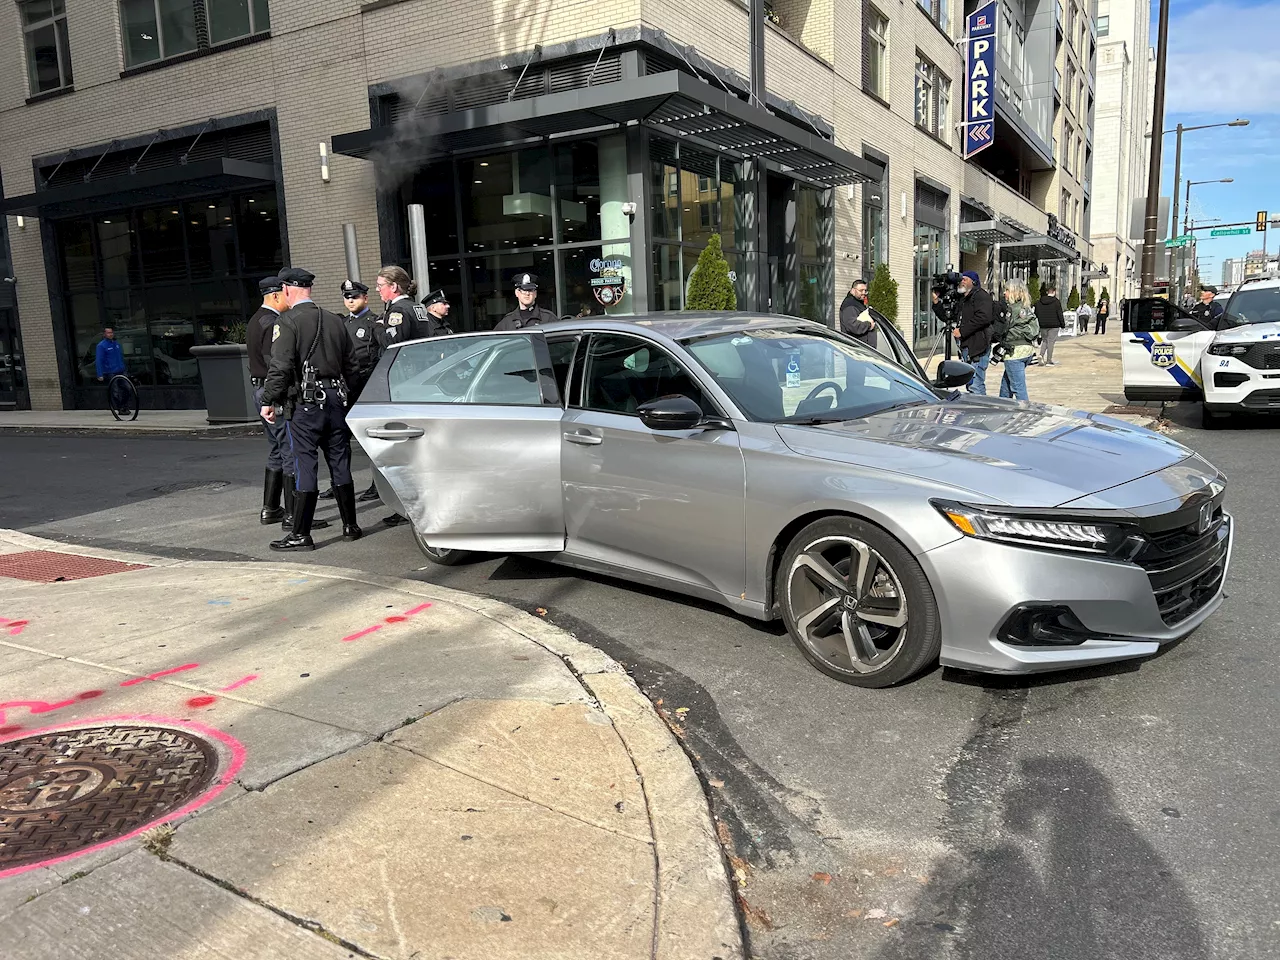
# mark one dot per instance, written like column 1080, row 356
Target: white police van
column 1233, row 366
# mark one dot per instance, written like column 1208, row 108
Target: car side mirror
column 1184, row 323
column 953, row 373
column 670, row 413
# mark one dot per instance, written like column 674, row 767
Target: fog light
column 1043, row 626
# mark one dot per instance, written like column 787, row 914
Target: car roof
column 1255, row 283
column 683, row 325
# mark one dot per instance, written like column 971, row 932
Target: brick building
column 158, row 156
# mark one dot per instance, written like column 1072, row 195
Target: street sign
column 1182, row 241
column 1262, row 221
column 980, row 80
column 1230, row 232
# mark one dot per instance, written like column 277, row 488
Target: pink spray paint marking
column 43, row 706
column 393, row 619
column 162, row 673
column 235, row 760
column 201, row 701
column 239, row 683
column 14, row 627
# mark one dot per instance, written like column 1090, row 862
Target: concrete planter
column 224, row 375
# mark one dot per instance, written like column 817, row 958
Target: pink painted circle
column 67, row 790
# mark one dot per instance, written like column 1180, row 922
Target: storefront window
column 597, row 281
column 699, row 196
column 507, row 201
column 930, row 260
column 258, row 233
column 668, row 280
column 664, row 177
column 492, row 288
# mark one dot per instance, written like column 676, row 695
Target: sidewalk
column 182, row 423
column 1088, row 377
column 346, row 765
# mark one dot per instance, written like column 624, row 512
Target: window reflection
column 493, row 284
column 507, row 201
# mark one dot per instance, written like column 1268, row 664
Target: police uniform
column 399, row 322
column 1208, row 313
column 365, row 330
column 308, row 335
column 279, row 457
column 519, row 318
column 434, row 326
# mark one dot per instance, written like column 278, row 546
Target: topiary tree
column 882, row 295
column 1089, row 296
column 1073, row 300
column 1105, row 295
column 710, row 287
column 1033, row 287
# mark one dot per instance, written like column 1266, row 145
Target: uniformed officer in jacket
column 311, row 365
column 365, row 333
column 399, row 293
column 280, row 467
column 528, row 313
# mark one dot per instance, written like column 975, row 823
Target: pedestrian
column 1018, row 333
column 363, row 330
column 528, row 312
column 312, row 363
column 1084, row 313
column 856, row 318
column 1208, row 311
column 1051, row 319
column 399, row 293
column 108, row 361
column 279, row 481
column 977, row 314
column 1100, row 318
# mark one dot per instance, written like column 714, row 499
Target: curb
column 204, row 433
column 696, row 914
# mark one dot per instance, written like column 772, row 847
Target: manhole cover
column 49, row 566
column 65, row 791
column 183, row 486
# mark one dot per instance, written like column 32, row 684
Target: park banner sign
column 980, row 81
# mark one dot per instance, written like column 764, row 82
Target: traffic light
column 1262, row 221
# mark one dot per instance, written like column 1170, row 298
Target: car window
column 561, row 359
column 624, row 373
column 496, row 370
column 777, row 374
column 1154, row 315
column 1259, row 305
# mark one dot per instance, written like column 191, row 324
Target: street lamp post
column 1182, row 260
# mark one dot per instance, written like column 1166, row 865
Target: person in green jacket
column 1018, row 329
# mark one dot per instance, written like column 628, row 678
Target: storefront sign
column 980, row 81
column 610, row 284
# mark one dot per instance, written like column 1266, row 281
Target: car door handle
column 1134, row 340
column 395, row 433
column 586, row 439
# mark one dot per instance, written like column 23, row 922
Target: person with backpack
column 1051, row 318
column 1017, row 329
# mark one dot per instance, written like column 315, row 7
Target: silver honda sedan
column 785, row 470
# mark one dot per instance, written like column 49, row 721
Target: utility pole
column 1153, row 176
column 1175, row 253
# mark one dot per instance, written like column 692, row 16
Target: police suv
column 1233, row 366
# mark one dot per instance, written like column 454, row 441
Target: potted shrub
column 224, row 377
column 709, row 285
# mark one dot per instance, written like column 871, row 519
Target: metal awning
column 140, row 189
column 990, row 231
column 1038, row 247
column 673, row 102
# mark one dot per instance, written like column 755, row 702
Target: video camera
column 946, row 286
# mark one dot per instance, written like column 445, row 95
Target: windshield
column 778, row 375
column 1255, row 306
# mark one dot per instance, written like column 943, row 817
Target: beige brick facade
column 316, row 69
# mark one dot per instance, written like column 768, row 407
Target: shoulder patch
column 360, row 333
column 275, row 333
column 395, row 319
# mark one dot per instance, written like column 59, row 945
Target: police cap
column 269, row 285
column 296, row 277
column 354, row 288
column 526, row 281
column 435, row 296
column 1206, row 288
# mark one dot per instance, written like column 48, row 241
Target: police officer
column 399, row 293
column 1208, row 311
column 280, row 466
column 437, row 307
column 362, row 328
column 311, row 364
column 528, row 313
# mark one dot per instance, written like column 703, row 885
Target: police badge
column 360, row 333
column 395, row 319
column 275, row 333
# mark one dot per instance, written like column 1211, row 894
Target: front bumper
column 1232, row 386
column 979, row 585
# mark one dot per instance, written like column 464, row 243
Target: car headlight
column 1229, row 349
column 1057, row 533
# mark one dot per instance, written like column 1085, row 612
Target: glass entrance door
column 13, row 379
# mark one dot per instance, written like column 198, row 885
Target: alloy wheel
column 849, row 605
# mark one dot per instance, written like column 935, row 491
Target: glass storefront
column 552, row 211
column 930, row 259
column 166, row 278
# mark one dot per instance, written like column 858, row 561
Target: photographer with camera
column 977, row 314
column 1016, row 333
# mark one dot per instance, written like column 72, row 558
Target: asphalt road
column 1127, row 812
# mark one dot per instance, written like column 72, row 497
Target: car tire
column 876, row 633
column 441, row 556
column 1213, row 420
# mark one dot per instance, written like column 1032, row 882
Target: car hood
column 1023, row 454
column 1249, row 333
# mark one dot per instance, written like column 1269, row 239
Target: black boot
column 272, row 488
column 346, row 497
column 290, row 498
column 328, row 494
column 395, row 520
column 304, row 511
column 369, row 495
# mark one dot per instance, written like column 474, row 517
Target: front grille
column 1262, row 356
column 1185, row 567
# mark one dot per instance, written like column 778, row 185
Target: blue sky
column 1223, row 65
